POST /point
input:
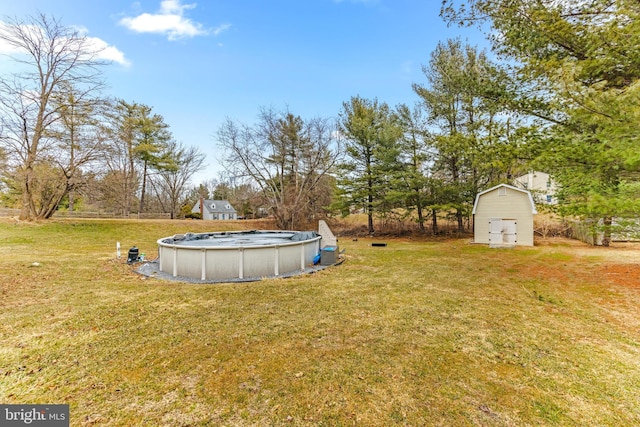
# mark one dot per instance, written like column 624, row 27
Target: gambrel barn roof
column 533, row 205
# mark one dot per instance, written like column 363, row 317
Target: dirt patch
column 623, row 274
column 619, row 264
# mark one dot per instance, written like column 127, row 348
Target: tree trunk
column 144, row 187
column 606, row 238
column 460, row 221
column 52, row 207
column 434, row 221
column 27, row 211
column 370, row 214
column 130, row 179
column 420, row 217
column 71, row 201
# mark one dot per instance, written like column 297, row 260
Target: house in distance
column 541, row 186
column 215, row 210
column 503, row 217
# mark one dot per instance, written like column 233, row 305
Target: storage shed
column 503, row 217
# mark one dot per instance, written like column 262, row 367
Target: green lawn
column 415, row 333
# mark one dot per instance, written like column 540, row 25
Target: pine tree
column 578, row 69
column 371, row 133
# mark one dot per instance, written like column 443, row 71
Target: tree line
column 557, row 92
column 560, row 94
column 61, row 141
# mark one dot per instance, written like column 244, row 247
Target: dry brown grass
column 415, row 333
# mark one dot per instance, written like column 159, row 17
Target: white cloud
column 173, row 6
column 95, row 45
column 7, row 49
column 107, row 51
column 174, row 26
column 102, row 49
column 221, row 28
column 170, row 20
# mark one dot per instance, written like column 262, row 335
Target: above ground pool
column 236, row 255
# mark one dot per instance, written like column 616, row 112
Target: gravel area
column 152, row 269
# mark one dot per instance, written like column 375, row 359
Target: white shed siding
column 505, row 203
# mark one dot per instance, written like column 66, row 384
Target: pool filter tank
column 133, row 255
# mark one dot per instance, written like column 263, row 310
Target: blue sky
column 199, row 62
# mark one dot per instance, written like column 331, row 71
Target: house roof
column 217, row 206
column 533, row 205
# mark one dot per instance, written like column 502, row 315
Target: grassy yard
column 416, row 333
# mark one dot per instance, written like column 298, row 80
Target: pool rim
column 253, row 232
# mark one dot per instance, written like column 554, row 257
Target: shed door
column 509, row 231
column 503, row 231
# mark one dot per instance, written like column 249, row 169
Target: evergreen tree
column 463, row 100
column 371, row 134
column 152, row 146
column 140, row 141
column 415, row 160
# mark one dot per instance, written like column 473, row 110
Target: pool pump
column 133, row 255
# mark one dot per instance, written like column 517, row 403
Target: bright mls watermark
column 34, row 415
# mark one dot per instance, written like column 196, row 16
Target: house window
column 212, row 206
column 548, row 198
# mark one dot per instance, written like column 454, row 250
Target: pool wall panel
column 258, row 262
column 222, row 264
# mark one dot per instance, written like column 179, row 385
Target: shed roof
column 533, row 205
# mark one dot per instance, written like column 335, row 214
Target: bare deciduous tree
column 49, row 57
column 79, row 140
column 170, row 185
column 286, row 157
